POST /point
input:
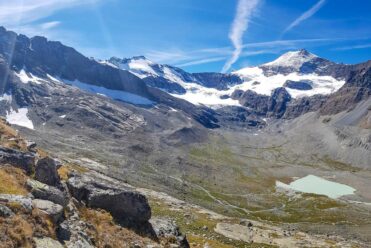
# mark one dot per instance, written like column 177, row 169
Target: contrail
column 305, row 16
column 245, row 9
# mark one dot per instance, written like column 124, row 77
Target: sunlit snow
column 19, row 117
column 26, row 77
column 6, row 97
column 255, row 80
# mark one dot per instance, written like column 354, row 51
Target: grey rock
column 167, row 228
column 5, row 211
column 53, row 210
column 31, row 145
column 24, row 201
column 23, row 160
column 124, row 204
column 46, row 242
column 299, row 85
column 46, row 171
column 45, row 192
column 73, row 234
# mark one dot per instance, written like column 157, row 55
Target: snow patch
column 114, row 94
column 62, row 116
column 6, row 97
column 19, row 117
column 255, row 80
column 27, row 77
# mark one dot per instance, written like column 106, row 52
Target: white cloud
column 353, row 47
column 307, row 14
column 201, row 61
column 20, row 12
column 245, row 9
column 49, row 25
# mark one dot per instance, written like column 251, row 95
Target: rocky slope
column 48, row 203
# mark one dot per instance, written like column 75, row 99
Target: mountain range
column 216, row 140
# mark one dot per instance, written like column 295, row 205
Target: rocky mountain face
column 357, row 89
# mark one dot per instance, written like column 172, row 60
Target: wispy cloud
column 353, row 47
column 184, row 58
column 26, row 11
column 49, row 25
column 201, row 61
column 245, row 10
column 307, row 14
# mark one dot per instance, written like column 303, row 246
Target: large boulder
column 47, row 171
column 23, row 160
column 54, row 211
column 45, row 192
column 122, row 202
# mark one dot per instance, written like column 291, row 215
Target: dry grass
column 68, row 168
column 19, row 230
column 9, row 137
column 13, row 181
column 107, row 234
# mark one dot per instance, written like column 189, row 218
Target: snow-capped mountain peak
column 293, row 59
column 138, row 65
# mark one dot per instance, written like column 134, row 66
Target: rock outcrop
column 168, row 229
column 24, row 201
column 47, row 171
column 23, row 160
column 45, row 192
column 54, row 211
column 125, row 205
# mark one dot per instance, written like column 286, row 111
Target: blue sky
column 199, row 35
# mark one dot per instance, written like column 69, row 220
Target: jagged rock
column 73, row 234
column 23, row 160
column 47, row 242
column 124, row 204
column 46, row 171
column 5, row 211
column 24, row 201
column 277, row 102
column 167, row 228
column 31, row 145
column 55, row 211
column 45, row 192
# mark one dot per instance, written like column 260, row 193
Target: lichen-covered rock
column 5, row 211
column 73, row 234
column 24, row 201
column 47, row 242
column 166, row 228
column 124, row 204
column 47, row 171
column 45, row 192
column 23, row 160
column 54, row 211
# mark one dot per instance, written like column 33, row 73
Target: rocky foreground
column 45, row 202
